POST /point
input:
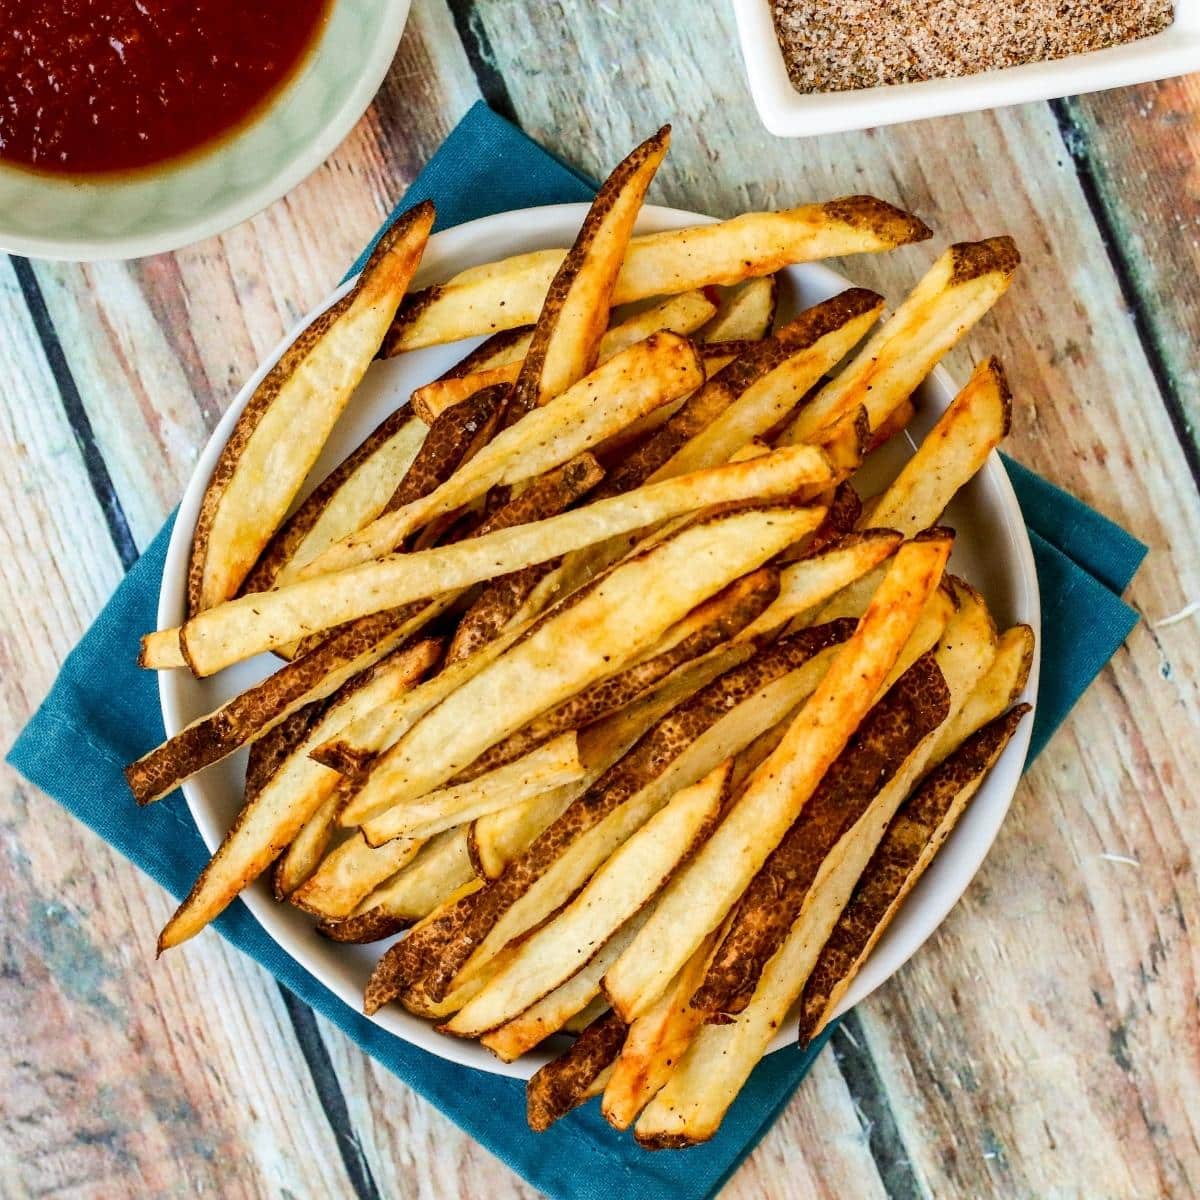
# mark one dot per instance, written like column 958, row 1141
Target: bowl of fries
column 511, row 673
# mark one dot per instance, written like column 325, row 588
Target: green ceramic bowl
column 165, row 208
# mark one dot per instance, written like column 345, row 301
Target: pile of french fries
column 597, row 675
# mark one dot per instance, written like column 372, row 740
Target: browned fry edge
column 268, row 389
column 970, row 260
column 371, row 926
column 562, row 1084
column 886, row 221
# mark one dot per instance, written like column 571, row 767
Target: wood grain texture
column 1043, row 1043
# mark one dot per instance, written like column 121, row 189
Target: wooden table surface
column 1043, row 1044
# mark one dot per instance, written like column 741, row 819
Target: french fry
column 651, row 373
column 574, row 314
column 956, row 291
column 275, row 814
column 439, row 868
column 955, row 448
column 283, row 427
column 917, row 704
column 805, row 584
column 256, row 711
column 712, row 724
column 819, row 338
column 655, row 1042
column 249, row 625
column 914, row 836
column 564, row 1084
column 553, row 764
column 269, row 752
column 616, row 619
column 844, row 511
column 555, row 1009
column 698, row 899
column 620, row 888
column 745, row 313
column 351, row 495
column 350, row 873
column 682, row 314
column 496, row 839
column 307, row 848
column 501, row 295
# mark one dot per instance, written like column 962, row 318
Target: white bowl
column 789, row 113
column 163, row 208
column 993, row 552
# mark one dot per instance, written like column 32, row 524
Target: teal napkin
column 103, row 712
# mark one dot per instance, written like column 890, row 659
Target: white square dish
column 789, row 113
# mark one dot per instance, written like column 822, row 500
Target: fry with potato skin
column 307, row 848
column 917, row 704
column 574, row 314
column 745, row 313
column 914, row 836
column 483, row 300
column 562, row 1085
column 350, row 873
column 441, row 950
column 699, row 898
column 244, row 502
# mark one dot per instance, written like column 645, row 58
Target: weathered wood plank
column 1090, row 417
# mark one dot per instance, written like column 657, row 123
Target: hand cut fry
column 807, row 583
column 957, row 290
column 251, row 624
column 269, row 752
column 954, row 449
column 686, row 743
column 697, row 900
column 767, row 909
column 283, row 427
column 744, row 313
column 564, row 1084
column 914, row 836
column 554, row 764
column 274, row 815
column 352, row 872
column 655, row 1042
column 616, row 619
column 553, row 1011
column 681, row 314
column 350, row 496
column 501, row 295
column 614, row 893
column 495, row 840
column 308, row 847
column 819, row 338
column 651, row 373
column 439, row 868
column 574, row 314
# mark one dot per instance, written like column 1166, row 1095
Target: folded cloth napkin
column 103, row 712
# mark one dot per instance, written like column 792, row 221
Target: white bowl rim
column 185, row 232
column 959, row 860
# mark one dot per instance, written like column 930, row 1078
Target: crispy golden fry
column 745, row 313
column 681, row 314
column 269, row 752
column 283, row 427
column 809, row 582
column 501, row 295
column 350, row 873
column 275, row 814
column 767, row 909
column 495, row 840
column 619, row 889
column 440, row 867
column 698, row 899
column 914, row 836
column 957, row 290
column 655, row 1042
column 818, row 339
column 651, row 373
column 554, row 1010
column 564, row 1084
column 352, row 494
column 574, row 314
column 706, row 727
column 931, row 624
column 308, row 847
column 260, row 708
column 553, row 764
column 613, row 621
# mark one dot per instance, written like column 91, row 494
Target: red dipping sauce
column 88, row 86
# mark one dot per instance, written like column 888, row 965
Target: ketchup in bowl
column 91, row 86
